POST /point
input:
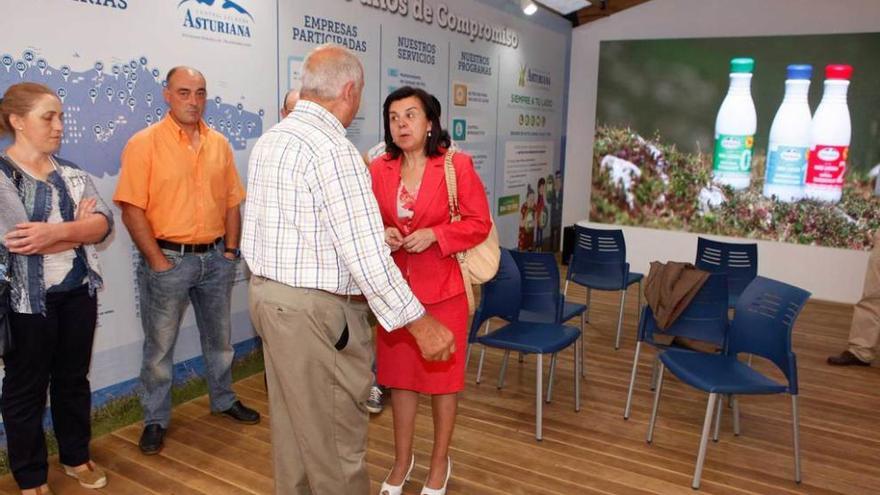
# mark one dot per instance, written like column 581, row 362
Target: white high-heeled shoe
column 389, row 489
column 441, row 490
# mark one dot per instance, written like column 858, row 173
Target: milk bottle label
column 733, row 154
column 827, row 165
column 786, row 165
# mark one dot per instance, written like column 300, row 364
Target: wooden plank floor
column 591, row 452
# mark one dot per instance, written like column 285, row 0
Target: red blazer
column 434, row 274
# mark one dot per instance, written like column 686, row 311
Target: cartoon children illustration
column 527, row 221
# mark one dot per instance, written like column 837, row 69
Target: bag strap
column 451, row 186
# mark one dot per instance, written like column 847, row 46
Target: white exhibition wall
column 107, row 61
column 830, row 274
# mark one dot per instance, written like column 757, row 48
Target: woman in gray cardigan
column 50, row 218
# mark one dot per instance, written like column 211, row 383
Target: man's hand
column 393, row 238
column 419, row 240
column 435, row 341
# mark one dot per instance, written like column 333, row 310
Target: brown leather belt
column 354, row 297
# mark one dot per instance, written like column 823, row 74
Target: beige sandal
column 91, row 477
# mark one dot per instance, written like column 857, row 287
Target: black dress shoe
column 242, row 414
column 846, row 358
column 152, row 439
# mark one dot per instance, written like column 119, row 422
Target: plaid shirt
column 311, row 219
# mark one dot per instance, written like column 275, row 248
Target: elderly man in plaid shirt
column 314, row 241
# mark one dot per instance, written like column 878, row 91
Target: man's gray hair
column 324, row 77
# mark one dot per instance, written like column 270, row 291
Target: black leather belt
column 188, row 248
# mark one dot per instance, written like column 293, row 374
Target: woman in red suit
column 410, row 187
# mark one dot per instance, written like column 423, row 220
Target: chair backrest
column 539, row 275
column 765, row 314
column 599, row 253
column 738, row 261
column 705, row 317
column 499, row 297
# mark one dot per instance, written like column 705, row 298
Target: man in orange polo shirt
column 179, row 193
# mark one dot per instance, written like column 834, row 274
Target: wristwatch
column 234, row 252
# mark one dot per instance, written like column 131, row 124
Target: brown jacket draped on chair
column 670, row 287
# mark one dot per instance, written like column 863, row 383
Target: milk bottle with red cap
column 789, row 142
column 735, row 128
column 829, row 138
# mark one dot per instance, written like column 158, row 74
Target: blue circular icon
column 115, row 70
column 20, row 66
column 211, row 121
column 97, row 129
column 164, row 84
column 7, row 61
column 260, row 112
column 99, row 66
column 132, row 101
column 149, row 118
column 133, row 76
column 111, row 125
column 129, row 85
column 155, row 72
column 240, row 107
column 28, row 55
column 159, row 112
column 148, row 97
column 109, row 92
column 62, row 92
column 143, row 60
column 217, row 100
column 42, row 64
column 125, row 69
column 120, row 94
column 65, row 70
column 93, row 92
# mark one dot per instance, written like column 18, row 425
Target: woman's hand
column 393, row 238
column 86, row 207
column 33, row 237
column 419, row 240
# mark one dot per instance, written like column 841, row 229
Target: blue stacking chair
column 542, row 301
column 501, row 298
column 599, row 262
column 762, row 325
column 705, row 319
column 738, row 261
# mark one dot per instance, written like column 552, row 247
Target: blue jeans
column 205, row 280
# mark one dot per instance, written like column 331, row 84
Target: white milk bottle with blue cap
column 829, row 138
column 735, row 128
column 789, row 143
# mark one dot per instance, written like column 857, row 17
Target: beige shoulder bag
column 479, row 263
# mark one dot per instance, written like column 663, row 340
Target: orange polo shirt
column 185, row 192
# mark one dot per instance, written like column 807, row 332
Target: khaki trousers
column 865, row 328
column 316, row 391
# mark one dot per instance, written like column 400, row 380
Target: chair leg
column 539, row 389
column 565, row 289
column 588, row 301
column 620, row 319
column 650, row 437
column 632, row 381
column 796, row 437
column 656, row 363
column 577, row 379
column 550, row 377
column 583, row 337
column 717, row 419
column 480, row 366
column 704, row 438
column 735, row 415
column 467, row 357
column 503, row 370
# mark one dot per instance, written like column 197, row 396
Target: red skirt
column 399, row 364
